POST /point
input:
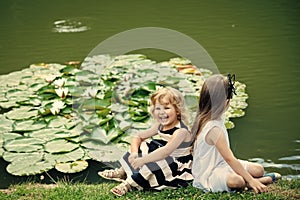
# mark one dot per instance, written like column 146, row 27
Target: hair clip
column 231, row 88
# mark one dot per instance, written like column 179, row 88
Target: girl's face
column 166, row 115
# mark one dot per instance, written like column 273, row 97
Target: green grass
column 281, row 190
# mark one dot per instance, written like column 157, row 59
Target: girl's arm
column 141, row 136
column 177, row 138
column 228, row 156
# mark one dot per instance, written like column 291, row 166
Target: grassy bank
column 281, row 190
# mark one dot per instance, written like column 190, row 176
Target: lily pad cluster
column 61, row 115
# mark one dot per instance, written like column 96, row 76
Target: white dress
column 209, row 168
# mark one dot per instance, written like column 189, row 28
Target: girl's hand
column 137, row 163
column 257, row 186
column 132, row 157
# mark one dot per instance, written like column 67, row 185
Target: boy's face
column 166, row 114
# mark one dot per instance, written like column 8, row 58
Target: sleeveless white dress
column 209, row 168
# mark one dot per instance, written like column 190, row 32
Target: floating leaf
column 24, row 168
column 99, row 134
column 29, row 157
column 118, row 107
column 106, row 153
column 124, row 125
column 229, row 124
column 1, row 151
column 72, row 167
column 8, row 104
column 9, row 136
column 114, row 133
column 60, row 146
column 94, row 104
column 28, row 125
column 59, row 121
column 77, row 154
column 21, row 113
column 49, row 134
column 5, row 124
column 24, row 144
column 92, row 144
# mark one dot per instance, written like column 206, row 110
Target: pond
column 258, row 41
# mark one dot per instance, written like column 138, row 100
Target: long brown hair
column 212, row 102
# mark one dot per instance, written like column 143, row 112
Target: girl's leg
column 257, row 171
column 235, row 181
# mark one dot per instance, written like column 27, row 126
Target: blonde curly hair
column 168, row 95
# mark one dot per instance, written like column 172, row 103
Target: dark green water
column 256, row 40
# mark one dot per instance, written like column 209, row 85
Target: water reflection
column 69, row 26
column 270, row 165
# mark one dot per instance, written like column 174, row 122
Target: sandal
column 275, row 176
column 117, row 174
column 121, row 189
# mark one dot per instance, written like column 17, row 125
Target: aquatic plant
column 61, row 115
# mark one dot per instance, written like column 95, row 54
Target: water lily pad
column 106, row 153
column 24, row 144
column 8, row 104
column 72, row 167
column 49, row 134
column 29, row 157
column 94, row 104
column 21, row 113
column 114, row 133
column 24, row 168
column 229, row 124
column 77, row 154
column 9, row 136
column 58, row 121
column 5, row 124
column 92, row 144
column 1, row 151
column 125, row 125
column 60, row 146
column 27, row 125
column 99, row 134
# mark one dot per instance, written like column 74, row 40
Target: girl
column 158, row 164
column 215, row 168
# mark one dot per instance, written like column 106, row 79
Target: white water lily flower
column 57, row 106
column 62, row 92
column 60, row 82
column 92, row 92
column 50, row 78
